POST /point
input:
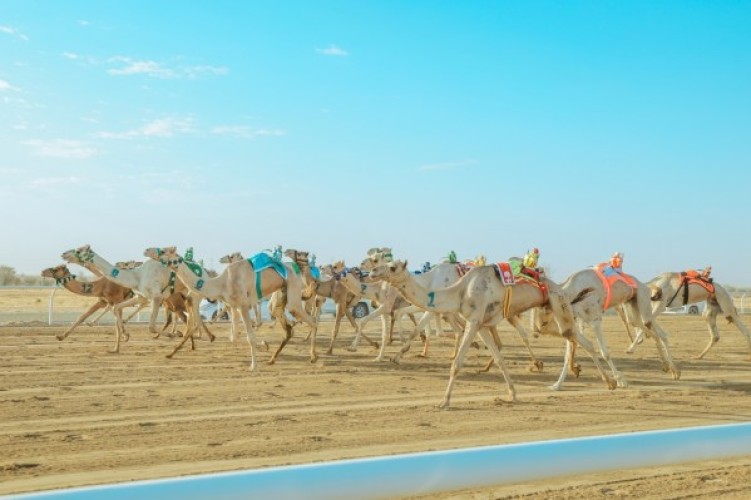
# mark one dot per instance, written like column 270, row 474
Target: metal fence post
column 49, row 311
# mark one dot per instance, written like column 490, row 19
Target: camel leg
column 458, row 362
column 424, row 325
column 155, row 304
column 567, row 357
column 605, row 353
column 536, row 365
column 725, row 303
column 638, row 339
column 188, row 336
column 490, row 340
column 96, row 320
column 337, row 321
column 118, row 312
column 282, row 319
column 494, row 332
column 407, row 344
column 710, row 316
column 91, row 310
column 661, row 341
column 584, row 342
column 384, row 338
column 361, row 325
column 135, row 311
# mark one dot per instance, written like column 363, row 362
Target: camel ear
column 403, row 265
column 372, row 251
column 169, row 249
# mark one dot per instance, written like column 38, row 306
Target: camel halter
column 65, row 279
column 87, row 256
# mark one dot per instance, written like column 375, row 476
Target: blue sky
column 484, row 127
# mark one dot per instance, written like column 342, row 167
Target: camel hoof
column 443, row 405
column 272, row 361
column 395, row 360
column 536, row 366
column 352, row 348
column 58, row 337
column 629, row 351
column 612, row 384
column 169, row 356
column 576, row 370
column 676, row 374
column 265, row 345
column 554, row 387
column 211, row 338
column 422, row 355
column 622, row 384
column 313, row 359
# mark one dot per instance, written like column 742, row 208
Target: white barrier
column 432, row 472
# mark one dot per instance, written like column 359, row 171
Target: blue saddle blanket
column 316, row 272
column 263, row 261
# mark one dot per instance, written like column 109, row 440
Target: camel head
column 376, row 257
column 81, row 255
column 230, row 258
column 61, row 274
column 167, row 256
column 391, row 272
column 301, row 258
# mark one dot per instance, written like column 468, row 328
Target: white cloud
column 446, row 166
column 333, row 50
column 129, row 66
column 84, row 23
column 62, row 148
column 162, row 127
column 246, row 132
column 5, row 86
column 9, row 30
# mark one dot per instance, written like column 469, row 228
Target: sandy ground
column 73, row 414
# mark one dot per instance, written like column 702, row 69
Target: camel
column 441, row 276
column 229, row 259
column 667, row 287
column 483, row 300
column 132, row 264
column 107, row 292
column 151, row 282
column 241, row 287
column 375, row 291
column 589, row 299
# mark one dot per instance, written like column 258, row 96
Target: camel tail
column 582, row 295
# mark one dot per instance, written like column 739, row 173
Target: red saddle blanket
column 505, row 273
column 694, row 277
column 609, row 276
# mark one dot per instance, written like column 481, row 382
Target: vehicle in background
column 359, row 310
column 697, row 308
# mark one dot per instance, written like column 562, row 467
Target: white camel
column 151, row 282
column 483, row 300
column 590, row 297
column 241, row 287
column 689, row 288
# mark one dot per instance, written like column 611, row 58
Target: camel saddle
column 693, row 276
column 505, row 273
column 609, row 276
column 262, row 261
